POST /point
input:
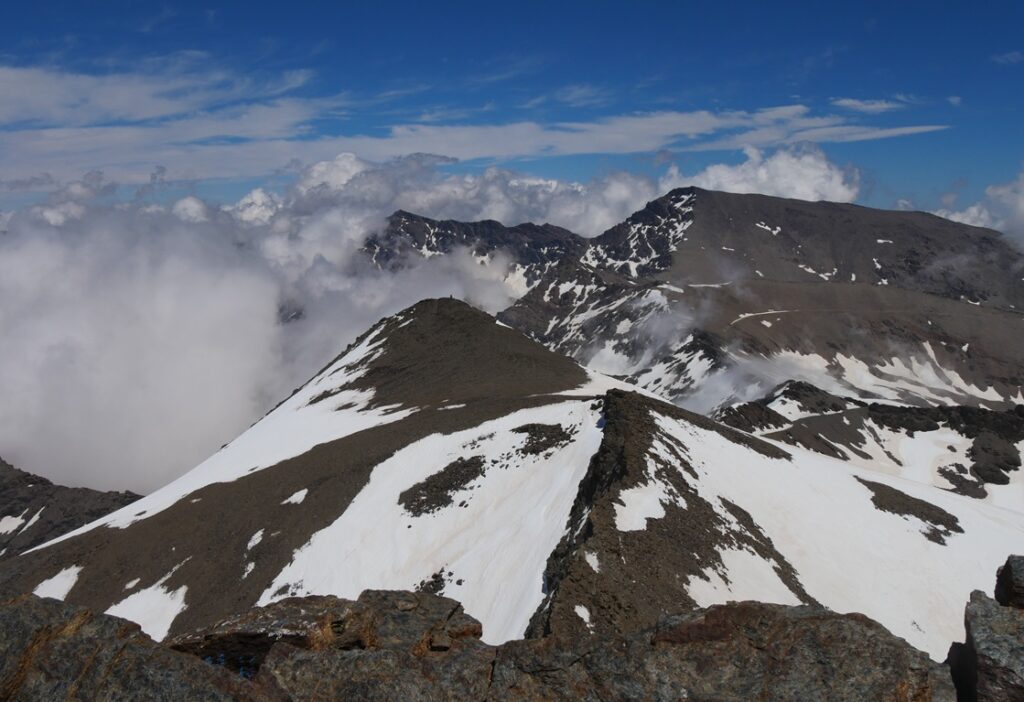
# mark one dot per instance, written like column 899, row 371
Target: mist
column 142, row 334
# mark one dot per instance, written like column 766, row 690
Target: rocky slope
column 34, row 510
column 401, row 645
column 530, row 250
column 708, row 298
column 446, row 453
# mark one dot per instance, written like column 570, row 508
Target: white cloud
column 976, row 215
column 190, row 209
column 176, row 86
column 1002, row 209
column 139, row 338
column 256, row 208
column 802, row 173
column 582, row 95
column 955, row 100
column 871, row 107
column 1009, row 58
column 331, row 175
column 208, row 123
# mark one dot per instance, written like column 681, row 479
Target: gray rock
column 1010, row 583
column 50, row 650
column 993, row 657
column 415, row 646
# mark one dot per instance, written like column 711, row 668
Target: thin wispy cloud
column 52, row 98
column 217, row 124
column 1009, row 58
column 583, row 95
column 871, row 107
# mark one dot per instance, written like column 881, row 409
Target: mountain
column 532, row 249
column 447, row 453
column 711, row 298
column 33, row 510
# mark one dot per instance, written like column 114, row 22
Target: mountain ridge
column 448, row 453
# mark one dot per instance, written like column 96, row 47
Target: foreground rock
column 50, row 650
column 989, row 667
column 416, row 646
column 1010, row 583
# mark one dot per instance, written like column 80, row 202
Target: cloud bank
column 1002, row 209
column 141, row 336
column 803, row 173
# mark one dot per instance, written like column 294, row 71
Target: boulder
column 50, row 650
column 990, row 665
column 1010, row 583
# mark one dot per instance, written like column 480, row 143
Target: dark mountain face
column 532, row 250
column 893, row 306
column 714, row 237
column 33, row 510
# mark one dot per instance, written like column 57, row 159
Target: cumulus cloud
column 804, row 173
column 1002, row 209
column 190, row 209
column 139, row 337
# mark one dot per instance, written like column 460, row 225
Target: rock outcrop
column 50, row 650
column 989, row 666
column 416, row 646
column 1010, row 583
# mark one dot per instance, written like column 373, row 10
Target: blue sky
column 923, row 100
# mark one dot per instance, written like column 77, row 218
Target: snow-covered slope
column 447, row 453
column 440, row 450
column 968, row 450
column 684, row 510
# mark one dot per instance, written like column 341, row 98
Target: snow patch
column 9, row 524
column 60, row 584
column 744, row 576
column 296, row 498
column 154, row 608
column 517, row 508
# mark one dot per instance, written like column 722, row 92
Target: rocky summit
column 734, row 448
column 414, row 646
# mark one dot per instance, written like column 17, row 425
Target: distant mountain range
column 725, row 397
